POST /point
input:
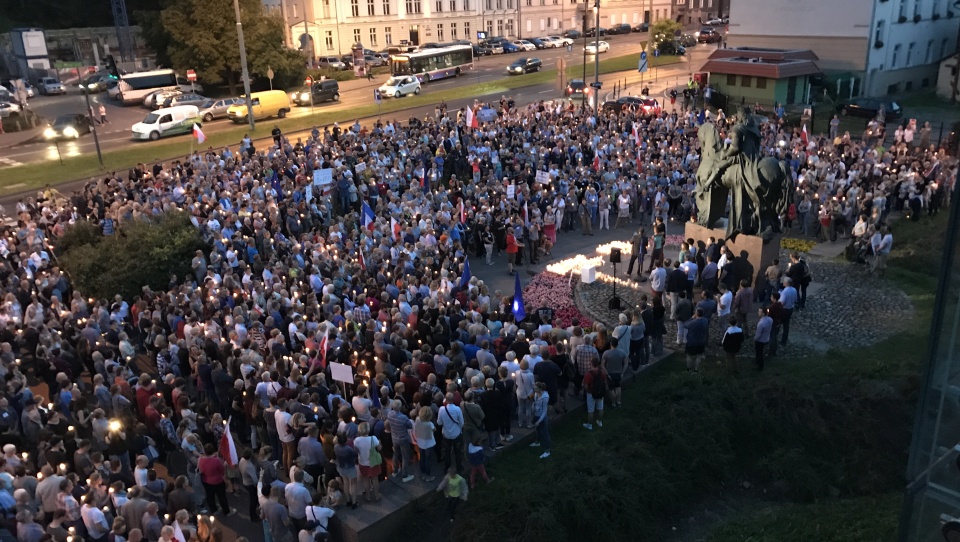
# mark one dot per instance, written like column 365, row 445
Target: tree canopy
column 664, row 30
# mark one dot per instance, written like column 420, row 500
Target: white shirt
column 283, row 418
column 726, row 300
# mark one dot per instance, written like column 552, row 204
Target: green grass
column 872, row 519
column 32, row 176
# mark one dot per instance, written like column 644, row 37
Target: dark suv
column 323, row 91
column 709, row 35
column 576, row 90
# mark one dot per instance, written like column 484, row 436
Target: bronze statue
column 759, row 186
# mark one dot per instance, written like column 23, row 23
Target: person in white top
column 287, row 438
column 362, row 404
column 725, row 302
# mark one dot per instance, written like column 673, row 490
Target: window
column 499, row 4
column 453, row 30
column 386, row 7
column 295, row 11
column 453, row 5
column 388, row 36
column 510, row 27
column 440, row 31
column 910, row 52
column 761, row 82
column 489, row 28
column 878, row 33
column 489, row 5
column 355, row 8
column 499, row 27
column 466, row 5
column 903, row 8
column 543, row 2
column 529, row 25
column 439, row 6
column 356, row 35
column 509, row 4
column 371, row 8
column 373, row 37
column 745, row 81
column 529, row 2
column 328, row 39
column 731, row 80
column 543, row 24
column 917, row 7
column 466, row 29
column 896, row 56
column 928, row 58
column 413, row 6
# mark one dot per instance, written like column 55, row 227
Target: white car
column 525, row 45
column 716, row 21
column 552, row 42
column 49, row 85
column 398, row 86
column 155, row 99
column 563, row 42
column 594, row 47
column 9, row 109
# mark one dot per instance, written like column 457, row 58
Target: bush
column 142, row 253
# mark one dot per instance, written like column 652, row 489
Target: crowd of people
column 362, row 269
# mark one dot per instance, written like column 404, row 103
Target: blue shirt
column 788, row 297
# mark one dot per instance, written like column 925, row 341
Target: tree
column 665, row 30
column 201, row 35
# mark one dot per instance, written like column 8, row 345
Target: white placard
column 323, row 178
column 342, row 372
column 543, row 177
column 511, row 191
column 360, row 167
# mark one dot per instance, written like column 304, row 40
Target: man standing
column 731, row 343
column 450, row 420
column 775, row 311
column 595, row 387
column 789, row 299
column 799, row 273
column 676, row 283
column 103, row 114
column 881, row 249
column 658, row 281
column 697, row 330
column 743, row 303
column 762, row 336
column 638, row 248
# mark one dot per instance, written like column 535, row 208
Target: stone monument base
column 759, row 254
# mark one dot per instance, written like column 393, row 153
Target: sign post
column 192, row 77
column 656, row 69
column 642, row 66
column 270, row 76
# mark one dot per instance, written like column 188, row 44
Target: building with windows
column 891, row 46
column 699, row 11
column 762, row 76
column 332, row 27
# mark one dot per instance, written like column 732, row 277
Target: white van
column 169, row 121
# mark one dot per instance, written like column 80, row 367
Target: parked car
column 539, row 43
column 524, row 65
column 70, row 126
column 189, row 98
column 331, row 62
column 509, row 47
column 687, row 40
column 671, row 48
column 347, row 61
column 642, row 27
column 622, row 28
column 709, row 35
column 27, row 88
column 10, row 109
column 216, row 109
column 525, row 45
column 870, row 107
column 715, row 21
column 375, row 60
column 154, row 100
column 596, row 47
column 594, row 32
column 618, row 105
column 576, row 90
column 49, row 86
column 186, row 86
column 397, row 87
column 431, row 45
column 327, row 90
column 551, row 42
column 7, row 96
column 573, row 34
column 492, row 48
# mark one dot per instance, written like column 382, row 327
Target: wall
column 836, row 18
column 879, row 82
column 947, row 76
column 752, row 94
column 836, row 54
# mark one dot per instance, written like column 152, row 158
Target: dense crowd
column 365, row 273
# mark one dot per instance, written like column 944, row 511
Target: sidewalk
column 13, row 139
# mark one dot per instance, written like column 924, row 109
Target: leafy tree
column 201, row 35
column 664, row 30
column 141, row 253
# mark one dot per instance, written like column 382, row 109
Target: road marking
column 18, row 185
column 545, row 92
column 6, row 162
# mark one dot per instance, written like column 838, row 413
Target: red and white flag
column 636, row 134
column 526, row 213
column 395, row 228
column 178, row 532
column 324, row 345
column 198, row 133
column 228, row 449
column 463, row 212
column 596, row 162
column 472, row 121
column 363, row 261
column 804, row 136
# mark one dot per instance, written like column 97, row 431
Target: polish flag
column 395, row 228
column 363, row 261
column 596, row 162
column 324, row 345
column 463, row 212
column 526, row 213
column 178, row 532
column 804, row 136
column 228, row 449
column 198, row 133
column 636, row 134
column 472, row 121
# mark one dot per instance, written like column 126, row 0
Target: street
column 116, row 133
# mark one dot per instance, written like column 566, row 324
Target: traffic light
column 112, row 67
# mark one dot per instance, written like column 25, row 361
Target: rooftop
column 760, row 62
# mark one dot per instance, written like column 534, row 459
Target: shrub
column 800, row 245
column 142, row 253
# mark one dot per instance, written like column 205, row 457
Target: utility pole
column 596, row 61
column 93, row 123
column 244, row 74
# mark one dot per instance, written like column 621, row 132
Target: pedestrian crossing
column 6, row 162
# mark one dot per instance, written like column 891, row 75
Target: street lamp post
column 244, row 74
column 596, row 60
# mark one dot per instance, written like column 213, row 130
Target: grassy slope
column 37, row 175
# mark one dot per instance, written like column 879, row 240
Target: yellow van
column 270, row 103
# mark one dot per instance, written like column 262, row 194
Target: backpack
column 599, row 384
column 807, row 277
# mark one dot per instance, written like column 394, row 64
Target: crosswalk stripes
column 6, row 162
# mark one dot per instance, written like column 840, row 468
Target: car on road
column 10, row 109
column 594, row 32
column 156, row 99
column 687, row 40
column 216, row 109
column 49, row 85
column 70, row 126
column 186, row 86
column 269, row 103
column 716, row 21
column 671, row 48
column 539, row 43
column 525, row 45
column 564, row 41
column 622, row 28
column 709, row 35
column 509, row 47
column 431, row 45
column 618, row 105
column 576, row 90
column 190, row 98
column 552, row 42
column 524, row 65
column 374, row 60
column 327, row 90
column 479, row 51
column 642, row 27
column 96, row 83
column 7, row 96
column 573, row 34
column 397, row 87
column 870, row 107
column 27, row 88
column 596, row 47
column 331, row 62
column 165, row 122
column 492, row 48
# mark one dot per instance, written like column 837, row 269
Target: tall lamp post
column 596, row 60
column 244, row 74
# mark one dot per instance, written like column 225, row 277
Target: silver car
column 331, row 62
column 217, row 109
column 155, row 99
column 49, row 85
column 188, row 98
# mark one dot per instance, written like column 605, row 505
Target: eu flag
column 465, row 279
column 518, row 313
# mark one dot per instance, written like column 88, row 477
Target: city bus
column 431, row 64
column 134, row 87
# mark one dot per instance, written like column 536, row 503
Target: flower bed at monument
column 552, row 290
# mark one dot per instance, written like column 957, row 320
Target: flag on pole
column 367, row 217
column 471, row 119
column 178, row 532
column 228, row 448
column 636, row 134
column 518, row 312
column 526, row 213
column 463, row 212
column 702, row 117
column 198, row 133
column 324, row 345
column 804, row 136
column 596, row 162
column 363, row 261
column 465, row 279
column 275, row 183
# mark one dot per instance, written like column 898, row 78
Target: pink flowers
column 551, row 290
column 674, row 240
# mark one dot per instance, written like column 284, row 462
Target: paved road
column 116, row 134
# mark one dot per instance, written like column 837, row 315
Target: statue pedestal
column 759, row 254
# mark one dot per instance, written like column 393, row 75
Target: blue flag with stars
column 465, row 279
